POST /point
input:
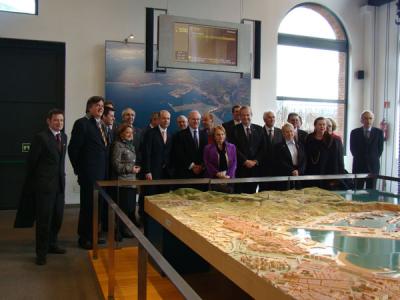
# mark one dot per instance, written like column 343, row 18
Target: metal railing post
column 355, row 183
column 95, row 221
column 142, row 273
column 111, row 252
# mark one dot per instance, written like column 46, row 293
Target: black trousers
column 153, row 190
column 370, row 183
column 247, row 188
column 49, row 216
column 127, row 203
column 85, row 224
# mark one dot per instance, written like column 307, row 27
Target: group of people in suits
column 100, row 150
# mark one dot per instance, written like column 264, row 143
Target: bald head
column 165, row 119
column 367, row 118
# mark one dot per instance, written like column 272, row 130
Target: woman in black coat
column 324, row 155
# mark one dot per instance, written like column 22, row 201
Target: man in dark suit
column 289, row 157
column 89, row 155
column 299, row 135
column 230, row 125
column 45, row 182
column 366, row 146
column 188, row 146
column 272, row 136
column 157, row 147
column 249, row 141
column 108, row 119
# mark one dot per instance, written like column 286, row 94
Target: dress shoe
column 85, row 244
column 57, row 250
column 41, row 260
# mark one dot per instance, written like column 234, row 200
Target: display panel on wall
column 178, row 91
column 20, row 6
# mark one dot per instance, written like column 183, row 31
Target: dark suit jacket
column 283, row 160
column 186, row 152
column 229, row 126
column 267, row 164
column 156, row 154
column 366, row 152
column 248, row 150
column 88, row 154
column 45, row 174
column 302, row 136
column 324, row 157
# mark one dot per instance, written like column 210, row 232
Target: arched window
column 312, row 66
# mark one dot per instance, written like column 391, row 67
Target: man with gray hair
column 272, row 136
column 249, row 141
column 290, row 159
column 366, row 146
column 188, row 147
column 182, row 122
column 157, row 148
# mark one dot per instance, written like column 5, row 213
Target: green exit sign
column 25, row 147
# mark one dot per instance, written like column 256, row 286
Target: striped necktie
column 103, row 134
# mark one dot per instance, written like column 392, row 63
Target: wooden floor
column 126, row 276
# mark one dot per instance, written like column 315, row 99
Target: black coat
column 246, row 150
column 283, row 160
column 186, row 152
column 268, row 161
column 301, row 136
column 366, row 152
column 45, row 174
column 324, row 157
column 229, row 128
column 156, row 154
column 88, row 154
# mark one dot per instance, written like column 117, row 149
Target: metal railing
column 145, row 247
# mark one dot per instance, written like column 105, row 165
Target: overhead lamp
column 129, row 38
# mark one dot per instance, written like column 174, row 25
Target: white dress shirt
column 293, row 151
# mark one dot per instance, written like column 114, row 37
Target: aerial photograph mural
column 177, row 90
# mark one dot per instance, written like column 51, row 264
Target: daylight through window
column 312, row 66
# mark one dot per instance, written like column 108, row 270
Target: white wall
column 85, row 25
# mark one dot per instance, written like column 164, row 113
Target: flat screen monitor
column 202, row 44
